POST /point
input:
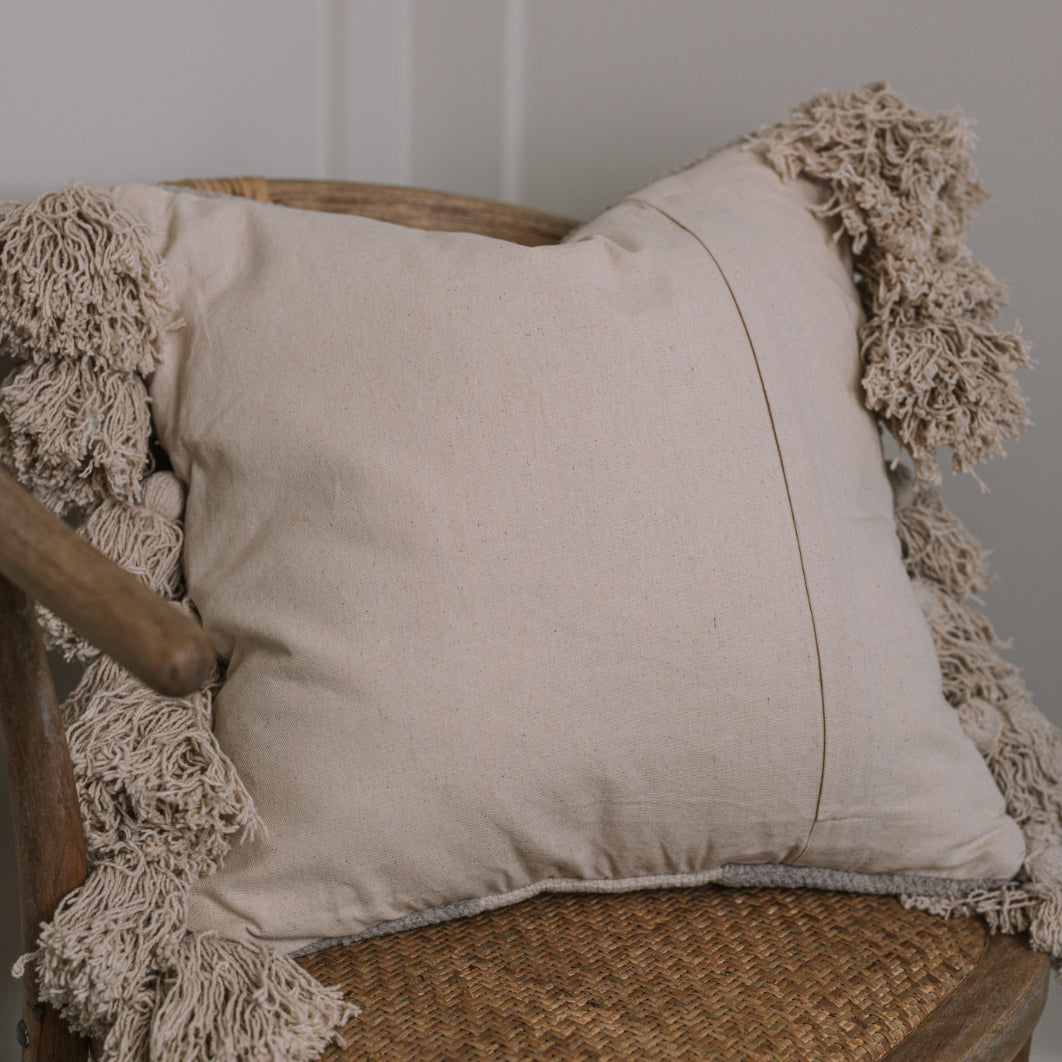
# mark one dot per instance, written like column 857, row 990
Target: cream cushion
column 543, row 566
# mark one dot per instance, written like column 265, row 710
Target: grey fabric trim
column 735, row 875
column 784, row 876
column 431, row 916
column 462, row 908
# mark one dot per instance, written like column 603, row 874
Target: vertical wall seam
column 334, row 88
column 320, row 102
column 404, row 90
column 513, row 92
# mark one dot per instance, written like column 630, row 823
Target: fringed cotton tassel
column 107, row 937
column 151, row 775
column 84, row 300
column 968, row 650
column 1024, row 753
column 1045, row 926
column 120, row 968
column 75, row 434
column 162, row 805
column 1022, row 749
column 904, row 189
column 936, row 546
column 78, row 279
column 1007, row 909
column 149, row 770
column 227, row 999
column 146, row 538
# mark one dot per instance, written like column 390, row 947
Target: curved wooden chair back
column 419, row 208
column 989, row 1017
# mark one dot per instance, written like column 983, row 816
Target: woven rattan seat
column 710, row 973
column 690, row 974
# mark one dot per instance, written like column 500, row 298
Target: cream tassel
column 74, row 434
column 228, row 999
column 1024, row 753
column 904, row 189
column 78, row 279
column 152, row 777
column 95, row 955
column 936, row 545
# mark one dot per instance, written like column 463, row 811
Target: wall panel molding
column 133, row 91
column 458, row 95
column 425, row 93
column 514, row 99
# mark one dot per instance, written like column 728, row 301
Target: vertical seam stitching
column 789, row 499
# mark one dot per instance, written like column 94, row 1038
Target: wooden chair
column 708, row 973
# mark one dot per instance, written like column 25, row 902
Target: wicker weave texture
column 712, row 973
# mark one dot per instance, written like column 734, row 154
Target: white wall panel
column 419, row 93
column 458, row 78
column 369, row 90
column 129, row 89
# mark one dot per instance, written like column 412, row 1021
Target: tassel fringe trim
column 1022, row 748
column 904, row 189
column 936, row 546
column 224, row 999
column 75, row 436
column 79, row 280
column 146, row 539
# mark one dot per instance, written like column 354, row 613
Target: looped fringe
column 152, row 777
column 75, row 435
column 904, row 189
column 1022, row 749
column 225, row 999
column 106, row 938
column 79, row 279
column 936, row 545
column 84, row 301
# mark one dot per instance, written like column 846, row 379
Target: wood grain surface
column 990, row 1017
column 418, row 208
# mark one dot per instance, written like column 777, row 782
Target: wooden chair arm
column 105, row 604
